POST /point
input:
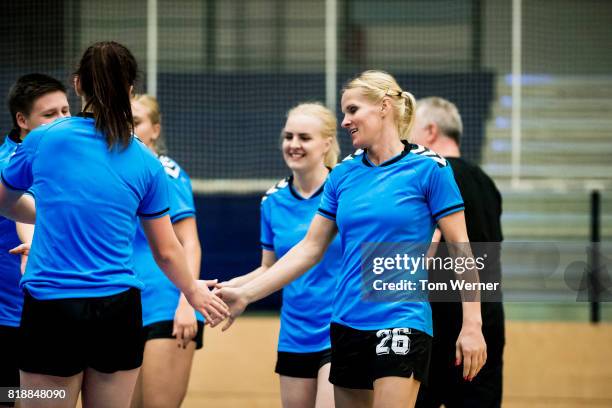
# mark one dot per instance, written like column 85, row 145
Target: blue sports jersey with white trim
column 159, row 295
column 307, row 301
column 399, row 201
column 11, row 296
column 88, row 198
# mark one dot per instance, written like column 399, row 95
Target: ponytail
column 106, row 72
column 407, row 117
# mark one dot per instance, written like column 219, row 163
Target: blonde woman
column 389, row 191
column 310, row 150
column 172, row 330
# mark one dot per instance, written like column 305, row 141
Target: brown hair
column 106, row 72
column 27, row 90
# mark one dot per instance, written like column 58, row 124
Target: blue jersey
column 159, row 296
column 307, row 301
column 399, row 201
column 11, row 296
column 88, row 198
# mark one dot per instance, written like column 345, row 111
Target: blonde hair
column 154, row 114
column 328, row 127
column 444, row 114
column 376, row 85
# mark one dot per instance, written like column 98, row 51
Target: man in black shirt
column 438, row 126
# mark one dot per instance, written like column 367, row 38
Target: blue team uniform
column 11, row 296
column 399, row 201
column 307, row 301
column 85, row 220
column 159, row 296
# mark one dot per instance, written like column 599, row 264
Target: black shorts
column 301, row 365
column 9, row 368
column 62, row 337
column 163, row 330
column 359, row 357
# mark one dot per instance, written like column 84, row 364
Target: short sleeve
column 181, row 198
column 267, row 235
column 155, row 202
column 17, row 175
column 329, row 202
column 442, row 193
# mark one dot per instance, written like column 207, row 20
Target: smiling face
column 45, row 109
column 303, row 145
column 362, row 118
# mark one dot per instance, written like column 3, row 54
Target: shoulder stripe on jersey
column 423, row 151
column 353, row 155
column 278, row 186
column 172, row 169
column 331, row 214
column 454, row 207
column 154, row 214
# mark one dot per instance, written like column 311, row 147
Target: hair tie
column 393, row 93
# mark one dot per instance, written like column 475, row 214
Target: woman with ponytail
column 81, row 327
column 386, row 197
column 310, row 150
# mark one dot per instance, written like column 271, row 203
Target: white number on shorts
column 400, row 342
column 382, row 347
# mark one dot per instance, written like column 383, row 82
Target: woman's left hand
column 24, row 251
column 471, row 349
column 185, row 324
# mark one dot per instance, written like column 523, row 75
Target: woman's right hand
column 237, row 301
column 207, row 303
column 232, row 283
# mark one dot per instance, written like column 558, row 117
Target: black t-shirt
column 483, row 208
column 483, row 202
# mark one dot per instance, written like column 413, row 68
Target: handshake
column 218, row 301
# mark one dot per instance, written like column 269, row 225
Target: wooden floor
column 236, row 368
column 547, row 364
